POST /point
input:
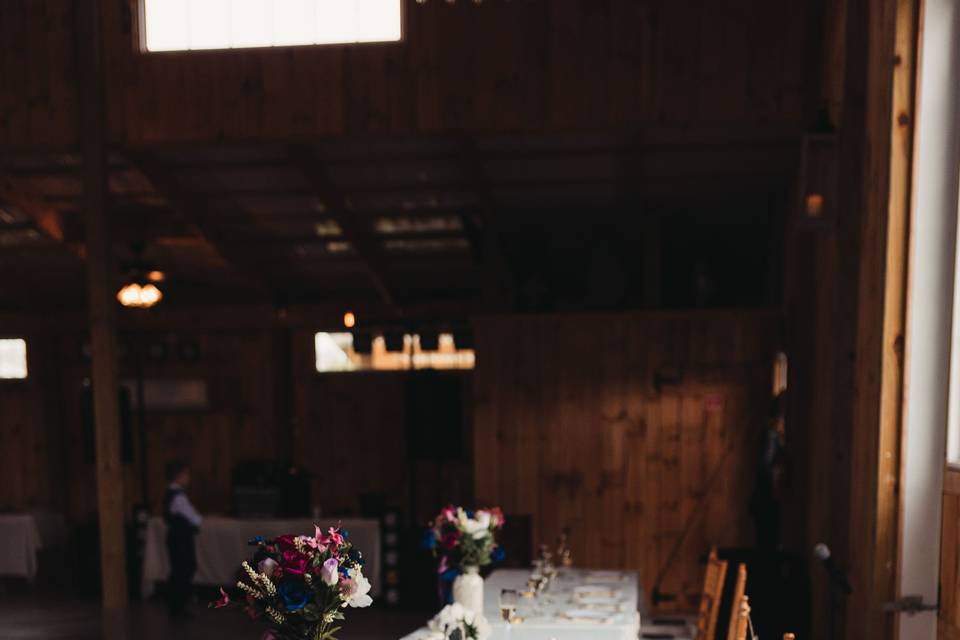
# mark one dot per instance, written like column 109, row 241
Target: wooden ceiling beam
column 47, row 219
column 337, row 209
column 193, row 213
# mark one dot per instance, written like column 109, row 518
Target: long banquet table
column 222, row 546
column 544, row 617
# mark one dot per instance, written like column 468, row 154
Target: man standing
column 183, row 523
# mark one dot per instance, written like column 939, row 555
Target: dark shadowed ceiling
column 519, row 222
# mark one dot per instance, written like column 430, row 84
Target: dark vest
column 177, row 525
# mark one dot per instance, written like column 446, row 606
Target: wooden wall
column 949, row 624
column 571, row 429
column 537, row 65
column 347, row 421
column 265, row 401
column 238, row 423
column 30, row 435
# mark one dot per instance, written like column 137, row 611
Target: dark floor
column 50, row 617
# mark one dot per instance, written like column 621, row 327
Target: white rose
column 356, row 589
column 476, row 527
column 482, row 626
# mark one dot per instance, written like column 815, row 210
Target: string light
column 349, row 320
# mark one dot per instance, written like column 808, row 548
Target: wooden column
column 881, row 314
column 102, row 303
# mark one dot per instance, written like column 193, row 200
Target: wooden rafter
column 45, row 218
column 193, row 212
column 364, row 246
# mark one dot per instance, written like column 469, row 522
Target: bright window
column 953, row 399
column 185, row 25
column 13, row 359
column 335, row 352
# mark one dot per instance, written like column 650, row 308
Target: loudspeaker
column 434, row 416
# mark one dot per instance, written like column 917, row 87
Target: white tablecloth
column 222, row 546
column 543, row 620
column 22, row 535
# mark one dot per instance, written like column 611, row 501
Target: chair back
column 739, row 596
column 713, row 580
column 740, row 616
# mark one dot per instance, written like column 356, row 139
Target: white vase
column 468, row 590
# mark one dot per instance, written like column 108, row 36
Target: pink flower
column 330, row 541
column 223, row 601
column 318, row 541
column 294, row 562
column 330, row 573
column 449, row 514
column 335, row 538
column 285, row 543
column 450, row 540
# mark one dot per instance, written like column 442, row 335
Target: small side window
column 13, row 358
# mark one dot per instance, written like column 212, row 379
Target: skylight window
column 188, row 25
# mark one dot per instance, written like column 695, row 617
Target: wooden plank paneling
column 238, row 424
column 539, row 65
column 628, row 469
column 360, row 418
column 38, row 99
column 949, row 626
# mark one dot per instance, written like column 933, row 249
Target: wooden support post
column 885, row 200
column 100, row 291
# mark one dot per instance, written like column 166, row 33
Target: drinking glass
column 509, row 599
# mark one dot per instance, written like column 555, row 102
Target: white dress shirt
column 180, row 505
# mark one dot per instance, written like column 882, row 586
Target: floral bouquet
column 453, row 615
column 465, row 538
column 299, row 585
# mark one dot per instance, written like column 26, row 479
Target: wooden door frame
column 886, row 200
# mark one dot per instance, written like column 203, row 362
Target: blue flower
column 294, row 594
column 344, row 533
column 498, row 554
column 255, row 541
column 356, row 557
column 429, row 540
column 450, row 574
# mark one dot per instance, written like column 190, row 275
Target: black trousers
column 183, row 564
